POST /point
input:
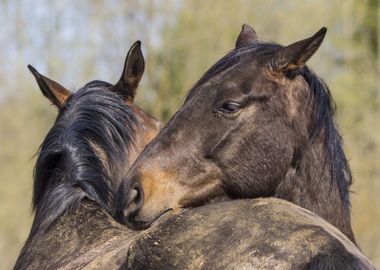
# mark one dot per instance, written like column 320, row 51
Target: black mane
column 69, row 167
column 323, row 122
column 323, row 111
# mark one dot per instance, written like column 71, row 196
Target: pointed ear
column 133, row 70
column 247, row 36
column 295, row 55
column 55, row 92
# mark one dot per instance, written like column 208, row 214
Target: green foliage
column 24, row 122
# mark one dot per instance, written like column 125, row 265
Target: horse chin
column 137, row 223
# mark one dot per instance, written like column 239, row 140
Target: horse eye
column 230, row 107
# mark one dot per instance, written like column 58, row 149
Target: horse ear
column 295, row 55
column 55, row 92
column 133, row 70
column 247, row 36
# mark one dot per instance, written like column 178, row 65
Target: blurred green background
column 77, row 41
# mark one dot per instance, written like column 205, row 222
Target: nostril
column 139, row 197
column 135, row 202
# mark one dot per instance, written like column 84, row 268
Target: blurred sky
column 45, row 32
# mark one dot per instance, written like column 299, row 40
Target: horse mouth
column 137, row 224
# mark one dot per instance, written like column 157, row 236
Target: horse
column 259, row 123
column 265, row 233
column 273, row 234
column 97, row 135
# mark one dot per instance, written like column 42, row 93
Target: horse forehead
column 245, row 75
column 236, row 78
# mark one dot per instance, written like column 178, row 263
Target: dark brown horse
column 259, row 123
column 97, row 135
column 240, row 234
column 264, row 234
column 250, row 234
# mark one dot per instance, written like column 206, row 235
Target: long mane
column 83, row 154
column 323, row 122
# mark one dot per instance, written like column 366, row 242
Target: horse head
column 257, row 124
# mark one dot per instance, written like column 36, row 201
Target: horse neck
column 311, row 184
column 86, row 229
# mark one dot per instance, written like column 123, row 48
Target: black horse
column 259, row 123
column 97, row 135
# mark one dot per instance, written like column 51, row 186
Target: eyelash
column 230, row 107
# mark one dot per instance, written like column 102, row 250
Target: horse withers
column 98, row 133
column 259, row 123
column 265, row 234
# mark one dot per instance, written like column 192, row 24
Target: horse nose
column 135, row 201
